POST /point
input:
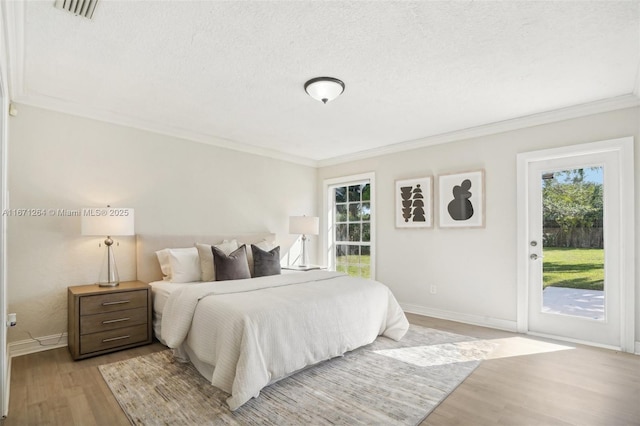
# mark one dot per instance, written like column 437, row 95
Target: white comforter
column 259, row 330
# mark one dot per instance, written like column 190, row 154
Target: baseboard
column 483, row 321
column 637, row 351
column 45, row 343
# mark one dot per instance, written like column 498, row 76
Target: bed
column 245, row 334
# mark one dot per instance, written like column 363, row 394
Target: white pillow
column 165, row 266
column 185, row 265
column 207, row 269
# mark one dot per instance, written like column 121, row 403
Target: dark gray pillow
column 232, row 267
column 265, row 262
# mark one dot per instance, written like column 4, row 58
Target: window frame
column 328, row 218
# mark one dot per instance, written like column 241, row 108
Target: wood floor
column 527, row 382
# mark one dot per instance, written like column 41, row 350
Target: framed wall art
column 414, row 203
column 461, row 200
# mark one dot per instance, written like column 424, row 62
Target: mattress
column 160, row 291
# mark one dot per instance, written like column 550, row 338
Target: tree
column 569, row 202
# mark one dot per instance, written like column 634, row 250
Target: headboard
column 148, row 268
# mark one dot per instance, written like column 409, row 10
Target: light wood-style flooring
column 527, row 381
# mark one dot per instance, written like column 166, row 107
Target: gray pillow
column 232, row 267
column 265, row 262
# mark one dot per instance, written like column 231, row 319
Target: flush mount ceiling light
column 324, row 89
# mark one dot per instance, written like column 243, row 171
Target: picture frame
column 414, row 203
column 461, row 200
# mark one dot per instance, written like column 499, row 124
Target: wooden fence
column 575, row 238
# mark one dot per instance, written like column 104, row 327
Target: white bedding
column 259, row 330
column 160, row 291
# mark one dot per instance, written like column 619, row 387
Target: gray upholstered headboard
column 148, row 268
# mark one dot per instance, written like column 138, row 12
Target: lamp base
column 114, row 284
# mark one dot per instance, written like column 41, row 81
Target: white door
column 576, row 253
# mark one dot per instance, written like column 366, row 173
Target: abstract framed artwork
column 461, row 200
column 414, row 203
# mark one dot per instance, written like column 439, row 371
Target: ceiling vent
column 78, row 7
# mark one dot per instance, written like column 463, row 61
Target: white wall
column 175, row 186
column 474, row 269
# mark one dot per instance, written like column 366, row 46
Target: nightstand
column 107, row 319
column 303, row 268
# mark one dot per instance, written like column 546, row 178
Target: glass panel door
column 574, row 257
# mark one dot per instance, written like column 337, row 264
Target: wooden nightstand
column 107, row 319
column 303, row 268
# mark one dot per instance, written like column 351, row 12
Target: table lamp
column 108, row 222
column 304, row 225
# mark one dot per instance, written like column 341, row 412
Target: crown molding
column 604, row 105
column 160, row 128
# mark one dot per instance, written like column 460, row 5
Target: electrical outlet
column 433, row 289
column 11, row 320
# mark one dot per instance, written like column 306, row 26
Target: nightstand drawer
column 112, row 320
column 113, row 338
column 113, row 302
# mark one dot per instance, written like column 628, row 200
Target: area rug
column 383, row 383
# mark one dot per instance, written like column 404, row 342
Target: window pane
column 366, row 192
column 341, row 213
column 341, row 253
column 366, row 211
column 341, row 268
column 354, row 212
column 366, row 232
column 354, row 232
column 354, row 255
column 365, row 251
column 341, row 232
column 354, row 193
column 341, row 194
column 365, row 272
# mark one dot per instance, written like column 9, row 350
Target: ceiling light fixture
column 324, row 89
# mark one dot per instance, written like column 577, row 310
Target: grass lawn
column 573, row 268
column 354, row 265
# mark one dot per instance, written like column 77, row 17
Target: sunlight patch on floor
column 442, row 354
column 519, row 346
column 474, row 350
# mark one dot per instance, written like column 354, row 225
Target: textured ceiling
column 232, row 73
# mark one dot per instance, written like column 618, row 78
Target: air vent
column 78, row 7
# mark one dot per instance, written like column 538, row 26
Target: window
column 350, row 215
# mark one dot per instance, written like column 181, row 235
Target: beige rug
column 383, row 383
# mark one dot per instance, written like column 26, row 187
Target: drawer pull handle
column 115, row 320
column 119, row 302
column 115, row 338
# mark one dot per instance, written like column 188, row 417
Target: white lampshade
column 305, row 225
column 107, row 221
column 324, row 89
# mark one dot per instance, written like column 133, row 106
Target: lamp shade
column 306, row 225
column 324, row 89
column 107, row 221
